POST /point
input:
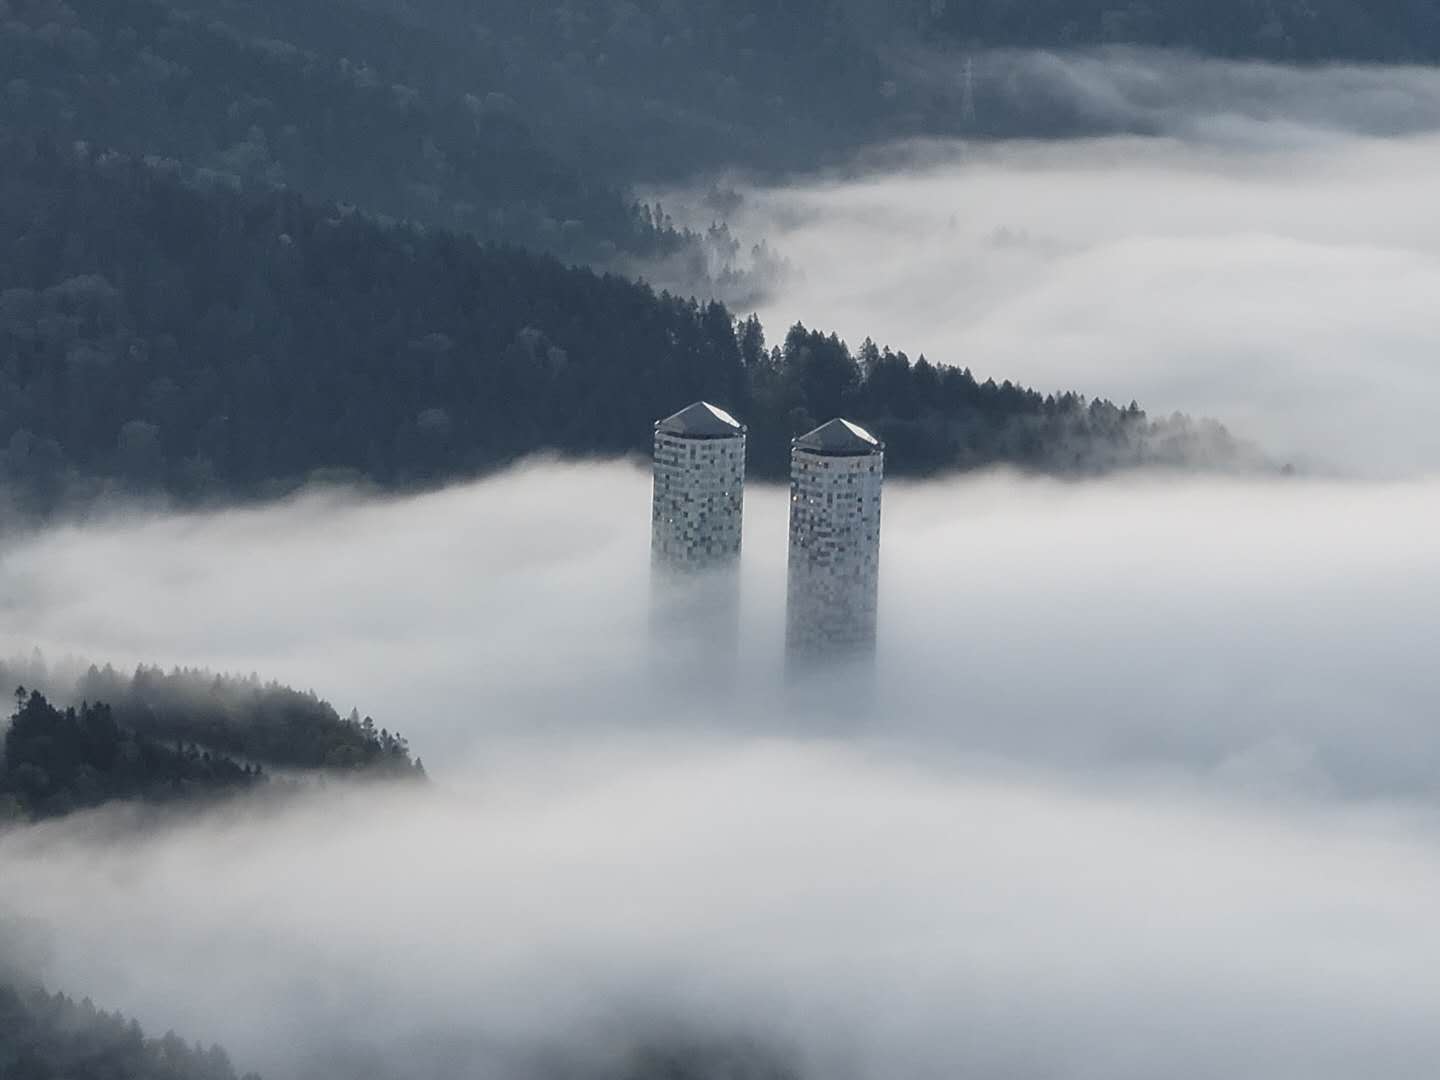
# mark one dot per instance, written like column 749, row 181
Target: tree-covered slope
column 637, row 90
column 257, row 721
column 1289, row 30
column 147, row 78
column 158, row 736
column 211, row 343
column 47, row 1036
column 531, row 121
column 261, row 722
column 628, row 90
column 55, row 761
column 525, row 120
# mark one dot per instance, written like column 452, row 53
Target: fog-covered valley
column 1133, row 745
column 1143, row 783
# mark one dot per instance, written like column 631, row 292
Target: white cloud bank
column 1269, row 256
column 1148, row 785
column 1181, row 619
column 868, row 918
column 1148, row 789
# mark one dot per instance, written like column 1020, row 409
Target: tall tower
column 699, row 491
column 836, row 475
column 695, row 524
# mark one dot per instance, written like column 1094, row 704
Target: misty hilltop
column 157, row 336
column 532, row 122
column 334, row 335
column 50, row 1035
column 181, row 736
column 150, row 78
column 44, row 1035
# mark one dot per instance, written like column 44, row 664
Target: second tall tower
column 836, row 475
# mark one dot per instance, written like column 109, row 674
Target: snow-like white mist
column 1269, row 256
column 1190, row 621
column 1145, row 785
column 864, row 918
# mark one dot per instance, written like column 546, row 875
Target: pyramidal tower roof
column 701, row 421
column 839, row 438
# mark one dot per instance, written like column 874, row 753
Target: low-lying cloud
column 1253, row 243
column 1183, row 619
column 1145, row 787
column 854, row 915
column 1145, row 781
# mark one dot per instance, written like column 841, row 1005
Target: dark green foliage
column 168, row 338
column 58, row 761
column 527, row 121
column 637, row 90
column 641, row 89
column 148, row 78
column 262, row 722
column 524, row 120
column 47, row 1036
column 939, row 418
column 629, row 90
column 51, row 1037
column 1270, row 29
column 217, row 343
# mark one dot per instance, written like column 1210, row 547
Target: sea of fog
column 1267, row 254
column 1146, row 781
column 1166, row 620
column 1146, row 787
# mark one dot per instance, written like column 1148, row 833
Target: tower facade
column 836, row 475
column 695, row 521
column 699, row 493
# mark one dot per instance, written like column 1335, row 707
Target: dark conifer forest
column 59, row 760
column 163, row 737
column 246, row 243
column 46, row 1036
column 212, row 343
column 152, row 79
column 263, row 722
column 524, row 120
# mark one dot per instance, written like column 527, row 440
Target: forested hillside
column 56, row 761
column 638, row 90
column 528, row 121
column 163, row 736
column 143, row 77
column 47, row 1036
column 214, row 343
column 1305, row 30
column 631, row 91
column 260, row 722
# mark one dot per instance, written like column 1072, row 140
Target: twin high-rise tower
column 836, row 475
column 695, row 525
column 699, row 491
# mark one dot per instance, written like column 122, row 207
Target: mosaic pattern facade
column 698, row 502
column 834, row 570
